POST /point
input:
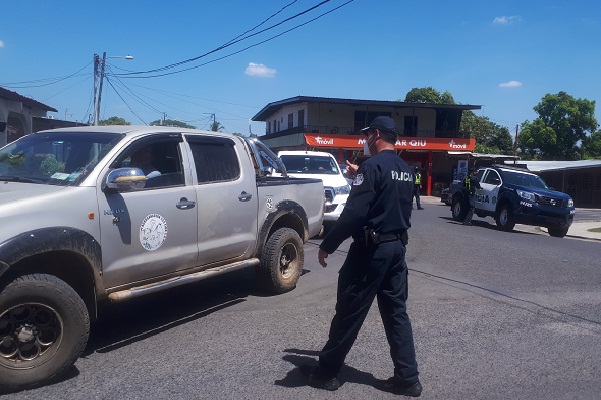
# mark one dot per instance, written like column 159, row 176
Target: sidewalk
column 579, row 229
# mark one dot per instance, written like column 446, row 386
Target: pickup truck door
column 226, row 194
column 152, row 232
column 486, row 198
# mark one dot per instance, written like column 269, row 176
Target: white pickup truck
column 323, row 166
column 98, row 214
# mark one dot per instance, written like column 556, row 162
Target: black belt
column 389, row 237
column 371, row 237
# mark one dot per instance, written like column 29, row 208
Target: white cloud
column 506, row 20
column 1, row 44
column 510, row 84
column 260, row 70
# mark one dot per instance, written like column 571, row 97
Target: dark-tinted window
column 159, row 159
column 493, row 178
column 215, row 162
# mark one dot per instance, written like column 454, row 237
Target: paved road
column 497, row 315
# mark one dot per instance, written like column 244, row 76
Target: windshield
column 521, row 179
column 307, row 164
column 54, row 158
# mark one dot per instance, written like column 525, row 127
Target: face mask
column 366, row 146
column 366, row 151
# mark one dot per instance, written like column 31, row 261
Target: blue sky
column 503, row 55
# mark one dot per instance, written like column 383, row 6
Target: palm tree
column 216, row 126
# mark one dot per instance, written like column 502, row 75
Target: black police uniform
column 381, row 200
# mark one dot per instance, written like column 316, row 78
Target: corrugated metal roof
column 27, row 102
column 542, row 166
column 481, row 155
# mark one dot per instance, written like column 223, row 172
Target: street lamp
column 99, row 63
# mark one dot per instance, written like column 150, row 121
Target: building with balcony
column 427, row 132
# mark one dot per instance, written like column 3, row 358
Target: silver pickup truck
column 99, row 214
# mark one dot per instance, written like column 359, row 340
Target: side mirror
column 126, row 179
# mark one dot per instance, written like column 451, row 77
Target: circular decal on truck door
column 153, row 232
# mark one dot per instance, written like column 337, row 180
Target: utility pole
column 96, row 61
column 99, row 64
column 213, row 115
column 98, row 94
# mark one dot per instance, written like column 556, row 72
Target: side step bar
column 180, row 280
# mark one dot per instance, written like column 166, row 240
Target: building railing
column 345, row 130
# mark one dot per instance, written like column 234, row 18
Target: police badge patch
column 358, row 180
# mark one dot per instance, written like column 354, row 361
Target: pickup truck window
column 306, row 164
column 522, row 179
column 54, row 158
column 492, row 178
column 215, row 162
column 159, row 160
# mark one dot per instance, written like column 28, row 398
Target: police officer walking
column 377, row 215
column 417, row 185
column 470, row 184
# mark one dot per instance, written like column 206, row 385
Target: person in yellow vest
column 470, row 184
column 417, row 185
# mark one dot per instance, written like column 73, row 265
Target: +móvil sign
column 405, row 143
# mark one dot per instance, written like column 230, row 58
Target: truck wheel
column 504, row 218
column 44, row 326
column 458, row 209
column 558, row 232
column 282, row 261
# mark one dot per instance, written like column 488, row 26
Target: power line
column 53, row 80
column 130, row 75
column 124, row 102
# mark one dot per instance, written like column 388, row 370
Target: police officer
column 417, row 185
column 470, row 184
column 377, row 215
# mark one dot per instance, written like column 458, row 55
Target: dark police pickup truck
column 513, row 195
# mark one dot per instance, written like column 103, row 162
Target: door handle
column 184, row 204
column 244, row 197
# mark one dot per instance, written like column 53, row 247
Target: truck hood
column 327, row 179
column 12, row 191
column 540, row 192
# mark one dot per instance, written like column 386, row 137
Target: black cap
column 382, row 123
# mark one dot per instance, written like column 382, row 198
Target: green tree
column 562, row 127
column 490, row 137
column 172, row 122
column 114, row 121
column 428, row 95
column 592, row 146
column 216, row 126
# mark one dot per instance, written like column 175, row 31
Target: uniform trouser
column 471, row 208
column 365, row 274
column 416, row 195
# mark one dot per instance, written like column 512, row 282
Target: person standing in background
column 417, row 185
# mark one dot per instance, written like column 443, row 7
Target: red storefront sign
column 405, row 143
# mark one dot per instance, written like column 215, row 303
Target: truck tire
column 558, row 232
column 504, row 218
column 44, row 327
column 458, row 209
column 281, row 262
